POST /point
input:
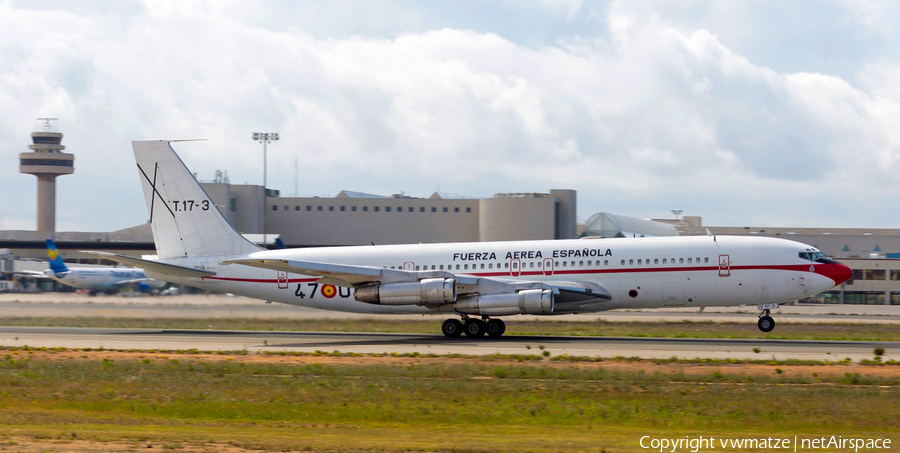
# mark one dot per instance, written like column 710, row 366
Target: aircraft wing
column 346, row 275
column 354, row 276
column 31, row 274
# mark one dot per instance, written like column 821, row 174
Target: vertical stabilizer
column 184, row 220
column 56, row 261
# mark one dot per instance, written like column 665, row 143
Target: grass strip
column 600, row 328
column 422, row 405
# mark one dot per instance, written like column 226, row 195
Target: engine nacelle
column 428, row 291
column 527, row 302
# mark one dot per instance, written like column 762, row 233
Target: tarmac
column 225, row 306
column 379, row 343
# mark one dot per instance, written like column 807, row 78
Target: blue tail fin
column 56, row 261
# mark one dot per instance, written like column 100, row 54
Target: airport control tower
column 46, row 162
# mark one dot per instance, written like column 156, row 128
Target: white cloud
column 654, row 115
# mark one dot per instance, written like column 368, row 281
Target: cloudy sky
column 766, row 113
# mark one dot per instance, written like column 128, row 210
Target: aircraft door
column 515, row 268
column 724, row 266
column 548, row 266
column 409, row 266
column 282, row 280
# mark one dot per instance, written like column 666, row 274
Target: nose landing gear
column 473, row 328
column 765, row 323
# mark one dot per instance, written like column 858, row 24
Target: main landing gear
column 473, row 327
column 765, row 323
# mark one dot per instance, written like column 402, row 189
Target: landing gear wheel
column 495, row 328
column 766, row 323
column 452, row 328
column 474, row 328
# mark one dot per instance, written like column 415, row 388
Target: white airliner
column 477, row 282
column 92, row 278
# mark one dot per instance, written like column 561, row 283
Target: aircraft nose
column 838, row 272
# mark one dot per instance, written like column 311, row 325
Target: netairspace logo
column 695, row 444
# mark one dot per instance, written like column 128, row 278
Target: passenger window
column 689, row 261
column 531, row 264
column 605, row 262
column 392, row 267
column 506, row 265
column 482, row 265
column 432, row 267
column 490, row 265
column 623, row 262
column 630, row 262
column 697, row 260
column 580, row 263
column 457, row 267
column 680, row 260
column 665, row 261
column 465, row 266
column 564, row 263
column 706, row 260
column 589, row 262
column 655, row 260
column 556, row 263
column 417, row 267
column 639, row 261
column 442, row 267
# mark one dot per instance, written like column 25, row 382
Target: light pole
column 265, row 138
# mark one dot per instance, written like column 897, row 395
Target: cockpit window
column 815, row 256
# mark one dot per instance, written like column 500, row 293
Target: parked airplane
column 92, row 278
column 478, row 282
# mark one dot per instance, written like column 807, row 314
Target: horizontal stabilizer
column 153, row 266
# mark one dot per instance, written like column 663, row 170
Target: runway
column 220, row 306
column 253, row 341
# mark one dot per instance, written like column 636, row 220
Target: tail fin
column 184, row 220
column 56, row 261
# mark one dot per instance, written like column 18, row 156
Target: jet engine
column 526, row 302
column 428, row 291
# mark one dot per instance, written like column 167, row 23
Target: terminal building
column 355, row 218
